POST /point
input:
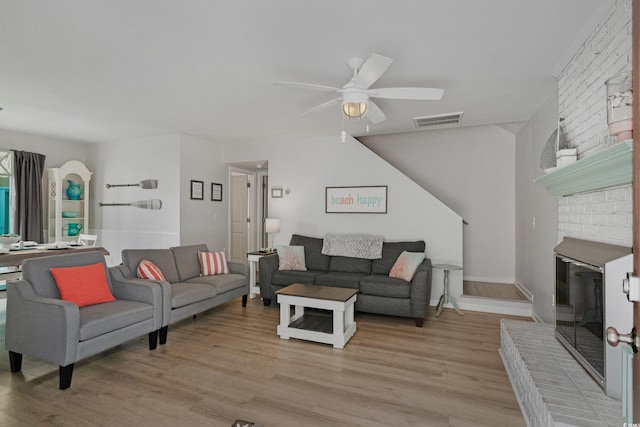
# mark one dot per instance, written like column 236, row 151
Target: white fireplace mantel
column 608, row 168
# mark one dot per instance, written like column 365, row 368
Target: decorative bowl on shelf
column 7, row 239
column 69, row 214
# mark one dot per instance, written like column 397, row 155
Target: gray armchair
column 39, row 324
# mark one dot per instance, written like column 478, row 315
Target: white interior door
column 239, row 201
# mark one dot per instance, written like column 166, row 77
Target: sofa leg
column 15, row 361
column 163, row 335
column 153, row 340
column 266, row 302
column 419, row 322
column 65, row 376
column 244, row 300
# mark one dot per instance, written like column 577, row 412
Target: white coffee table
column 335, row 330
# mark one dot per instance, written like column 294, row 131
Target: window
column 5, row 205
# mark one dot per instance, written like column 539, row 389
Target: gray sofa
column 42, row 325
column 185, row 292
column 377, row 292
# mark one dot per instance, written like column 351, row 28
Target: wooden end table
column 335, row 330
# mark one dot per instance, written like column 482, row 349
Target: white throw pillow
column 291, row 258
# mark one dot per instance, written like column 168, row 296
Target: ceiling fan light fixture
column 354, row 110
column 354, row 104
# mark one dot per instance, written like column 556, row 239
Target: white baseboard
column 527, row 293
column 537, row 318
column 507, row 280
column 487, row 305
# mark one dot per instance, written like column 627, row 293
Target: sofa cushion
column 212, row 263
column 390, row 253
column 96, row 320
column 289, row 277
column 185, row 293
column 339, row 279
column 148, row 270
column 384, row 286
column 291, row 258
column 163, row 258
column 222, row 282
column 83, row 284
column 406, row 265
column 186, row 261
column 350, row 265
column 314, row 259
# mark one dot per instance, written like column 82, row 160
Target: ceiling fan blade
column 416, row 93
column 321, row 107
column 309, row 86
column 372, row 69
column 374, row 113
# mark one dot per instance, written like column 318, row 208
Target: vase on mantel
column 619, row 106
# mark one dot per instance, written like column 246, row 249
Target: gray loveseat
column 185, row 292
column 377, row 292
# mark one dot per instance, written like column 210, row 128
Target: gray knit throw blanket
column 367, row 246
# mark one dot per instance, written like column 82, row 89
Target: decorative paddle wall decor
column 153, row 204
column 147, row 184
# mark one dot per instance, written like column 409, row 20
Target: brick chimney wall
column 606, row 215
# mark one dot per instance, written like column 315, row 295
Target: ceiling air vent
column 440, row 119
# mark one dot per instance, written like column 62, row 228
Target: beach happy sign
column 356, row 199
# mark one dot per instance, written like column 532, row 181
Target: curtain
column 26, row 203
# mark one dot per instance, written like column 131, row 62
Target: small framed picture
column 276, row 192
column 197, row 190
column 216, row 192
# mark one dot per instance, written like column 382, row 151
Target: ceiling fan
column 356, row 95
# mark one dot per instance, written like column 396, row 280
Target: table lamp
column 271, row 225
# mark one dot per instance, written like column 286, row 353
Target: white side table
column 445, row 298
column 254, row 258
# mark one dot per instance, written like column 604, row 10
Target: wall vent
column 440, row 119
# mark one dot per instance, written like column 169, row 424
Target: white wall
column 57, row 151
column 308, row 166
column 535, row 205
column 128, row 162
column 203, row 221
column 472, row 170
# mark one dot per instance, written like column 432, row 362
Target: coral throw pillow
column 83, row 285
column 148, row 270
column 213, row 263
column 406, row 265
column 291, row 258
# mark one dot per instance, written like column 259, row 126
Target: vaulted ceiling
column 105, row 70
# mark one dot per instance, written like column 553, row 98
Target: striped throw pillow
column 148, row 270
column 213, row 263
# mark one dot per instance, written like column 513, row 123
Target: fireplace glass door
column 579, row 312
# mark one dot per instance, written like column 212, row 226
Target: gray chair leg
column 153, row 340
column 163, row 334
column 65, row 376
column 15, row 361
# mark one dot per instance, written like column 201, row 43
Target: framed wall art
column 197, row 190
column 276, row 192
column 371, row 199
column 216, row 192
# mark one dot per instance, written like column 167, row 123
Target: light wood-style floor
column 503, row 291
column 229, row 364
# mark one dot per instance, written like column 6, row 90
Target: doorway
column 239, row 216
column 247, row 209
